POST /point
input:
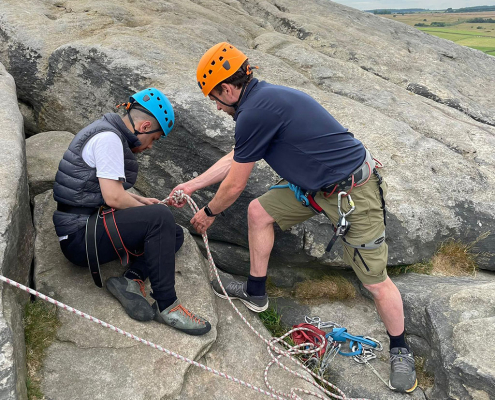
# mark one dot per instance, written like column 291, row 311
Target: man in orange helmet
column 320, row 161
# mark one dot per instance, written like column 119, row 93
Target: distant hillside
column 419, row 10
column 397, row 11
column 472, row 9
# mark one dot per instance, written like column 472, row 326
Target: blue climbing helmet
column 156, row 104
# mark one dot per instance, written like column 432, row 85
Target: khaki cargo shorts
column 366, row 223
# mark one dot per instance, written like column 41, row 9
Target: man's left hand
column 201, row 222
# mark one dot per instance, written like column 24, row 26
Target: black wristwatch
column 209, row 213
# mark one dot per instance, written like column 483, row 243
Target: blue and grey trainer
column 403, row 372
column 238, row 290
column 131, row 295
column 178, row 317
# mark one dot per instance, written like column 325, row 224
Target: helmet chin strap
column 235, row 105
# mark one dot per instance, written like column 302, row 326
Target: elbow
column 112, row 201
column 237, row 188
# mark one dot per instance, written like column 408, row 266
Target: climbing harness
column 359, row 177
column 273, row 344
column 107, row 215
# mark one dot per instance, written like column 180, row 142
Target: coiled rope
column 275, row 352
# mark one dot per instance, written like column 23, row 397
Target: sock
column 256, row 285
column 163, row 304
column 398, row 341
column 133, row 274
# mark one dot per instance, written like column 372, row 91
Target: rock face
column 452, row 321
column 16, row 242
column 44, row 152
column 413, row 99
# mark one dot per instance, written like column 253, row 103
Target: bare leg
column 389, row 305
column 261, row 237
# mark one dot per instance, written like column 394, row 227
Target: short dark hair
column 140, row 113
column 238, row 79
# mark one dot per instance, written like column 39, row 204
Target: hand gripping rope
column 275, row 352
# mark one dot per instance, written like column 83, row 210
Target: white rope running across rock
column 275, row 352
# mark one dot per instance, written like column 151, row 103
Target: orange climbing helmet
column 217, row 64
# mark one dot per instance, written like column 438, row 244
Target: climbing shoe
column 182, row 319
column 131, row 294
column 403, row 374
column 238, row 290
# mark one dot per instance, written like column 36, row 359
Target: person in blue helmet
column 97, row 220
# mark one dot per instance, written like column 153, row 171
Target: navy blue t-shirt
column 295, row 135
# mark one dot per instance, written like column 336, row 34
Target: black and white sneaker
column 403, row 372
column 238, row 290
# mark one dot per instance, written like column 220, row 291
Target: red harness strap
column 114, row 235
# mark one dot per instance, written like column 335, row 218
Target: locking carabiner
column 339, row 203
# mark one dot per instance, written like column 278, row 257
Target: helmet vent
column 213, row 62
column 170, row 124
column 158, row 98
column 204, row 76
column 152, row 94
column 166, row 119
column 166, row 112
column 224, row 50
column 159, row 105
column 210, row 71
column 221, row 58
column 204, row 83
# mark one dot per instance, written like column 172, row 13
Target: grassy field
column 480, row 36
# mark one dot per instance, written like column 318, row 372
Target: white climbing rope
column 275, row 352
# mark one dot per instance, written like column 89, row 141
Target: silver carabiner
column 339, row 203
column 379, row 346
column 316, row 321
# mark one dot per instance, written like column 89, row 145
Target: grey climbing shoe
column 131, row 295
column 182, row 319
column 238, row 290
column 403, row 373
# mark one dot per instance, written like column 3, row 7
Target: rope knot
column 179, row 196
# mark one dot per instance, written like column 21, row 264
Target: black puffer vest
column 76, row 183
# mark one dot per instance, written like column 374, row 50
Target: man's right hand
column 186, row 189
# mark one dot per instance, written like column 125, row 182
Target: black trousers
column 149, row 229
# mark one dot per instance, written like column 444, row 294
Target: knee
column 379, row 290
column 179, row 237
column 257, row 215
column 161, row 215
